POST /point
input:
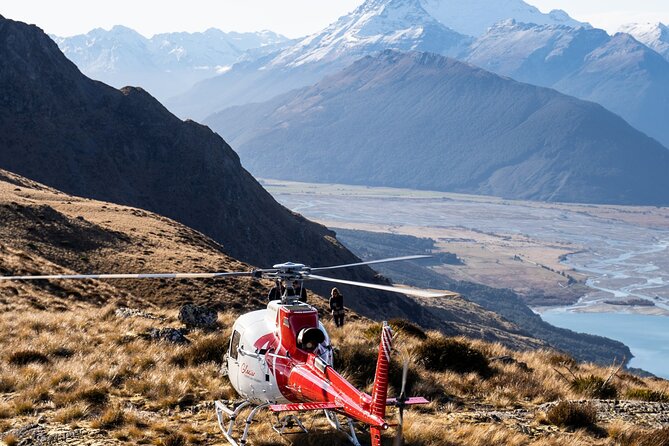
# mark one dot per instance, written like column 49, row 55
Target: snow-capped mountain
column 654, row 35
column 374, row 26
column 618, row 72
column 166, row 64
column 473, row 17
column 538, row 54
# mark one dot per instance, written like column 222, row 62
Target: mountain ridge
column 653, row 35
column 84, row 137
column 166, row 63
column 618, row 72
column 420, row 115
column 373, row 26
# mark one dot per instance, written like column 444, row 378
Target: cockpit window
column 234, row 344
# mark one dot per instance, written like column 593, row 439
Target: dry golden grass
column 141, row 391
column 67, row 357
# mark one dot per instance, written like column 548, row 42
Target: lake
column 647, row 336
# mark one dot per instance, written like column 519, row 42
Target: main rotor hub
column 289, row 271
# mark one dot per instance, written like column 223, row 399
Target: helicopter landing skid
column 222, row 410
column 334, row 422
column 289, row 425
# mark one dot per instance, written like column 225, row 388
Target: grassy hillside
column 76, row 368
column 96, row 375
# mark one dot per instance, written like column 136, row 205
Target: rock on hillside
column 422, row 121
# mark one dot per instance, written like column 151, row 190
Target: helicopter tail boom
column 380, row 391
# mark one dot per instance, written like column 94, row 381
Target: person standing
column 276, row 292
column 337, row 307
column 299, row 291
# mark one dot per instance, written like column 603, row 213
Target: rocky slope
column 423, row 121
column 47, row 231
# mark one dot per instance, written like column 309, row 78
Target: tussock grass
column 144, row 392
column 25, row 357
column 644, row 394
column 572, row 414
column 112, row 417
column 71, row 413
column 439, row 354
column 11, row 440
column 658, row 437
column 593, row 386
column 408, row 328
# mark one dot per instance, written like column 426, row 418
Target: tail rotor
column 402, row 399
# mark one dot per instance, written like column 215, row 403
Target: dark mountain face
column 85, row 138
column 423, row 121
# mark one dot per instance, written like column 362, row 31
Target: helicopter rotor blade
column 393, row 289
column 372, row 262
column 131, row 276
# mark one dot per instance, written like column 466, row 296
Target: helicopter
column 281, row 359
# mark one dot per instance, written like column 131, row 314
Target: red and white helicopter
column 281, row 359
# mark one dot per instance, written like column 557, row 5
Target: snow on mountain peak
column 474, row 17
column 654, row 35
column 374, row 26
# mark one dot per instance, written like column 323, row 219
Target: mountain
column 167, row 64
column 530, row 53
column 374, row 26
column 84, row 137
column 653, row 35
column 422, row 121
column 47, row 230
column 617, row 71
column 473, row 17
column 438, row 26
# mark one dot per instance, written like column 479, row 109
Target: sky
column 292, row 18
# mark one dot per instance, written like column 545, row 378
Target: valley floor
column 612, row 253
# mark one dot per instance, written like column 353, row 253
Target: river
column 622, row 259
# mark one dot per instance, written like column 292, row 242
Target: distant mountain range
column 203, row 73
column 374, row 26
column 166, row 64
column 619, row 72
column 445, row 27
column 422, row 121
column 473, row 17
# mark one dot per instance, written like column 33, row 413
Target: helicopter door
column 233, row 359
